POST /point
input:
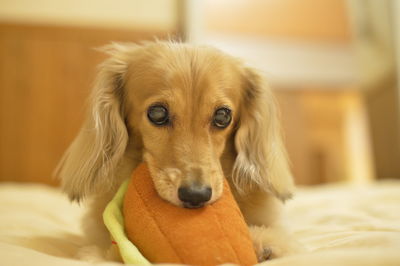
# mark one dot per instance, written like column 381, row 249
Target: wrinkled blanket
column 339, row 224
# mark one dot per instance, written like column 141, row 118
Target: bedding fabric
column 338, row 224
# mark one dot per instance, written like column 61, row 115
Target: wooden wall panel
column 383, row 111
column 326, row 135
column 45, row 78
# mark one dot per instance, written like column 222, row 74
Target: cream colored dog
column 195, row 115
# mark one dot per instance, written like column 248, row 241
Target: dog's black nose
column 194, row 196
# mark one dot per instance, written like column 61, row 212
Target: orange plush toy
column 165, row 233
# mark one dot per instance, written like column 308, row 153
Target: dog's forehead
column 194, row 74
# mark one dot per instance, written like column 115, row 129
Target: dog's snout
column 194, row 196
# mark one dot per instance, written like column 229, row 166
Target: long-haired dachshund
column 195, row 115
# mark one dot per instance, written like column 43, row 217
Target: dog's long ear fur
column 89, row 163
column 261, row 161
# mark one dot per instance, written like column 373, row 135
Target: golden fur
column 192, row 81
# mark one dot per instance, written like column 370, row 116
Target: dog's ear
column 261, row 161
column 89, row 163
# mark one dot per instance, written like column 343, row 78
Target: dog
column 195, row 115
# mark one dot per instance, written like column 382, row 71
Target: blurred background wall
column 331, row 63
column 150, row 15
column 47, row 65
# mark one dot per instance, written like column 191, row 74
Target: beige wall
column 312, row 20
column 134, row 14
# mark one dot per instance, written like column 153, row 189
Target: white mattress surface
column 339, row 224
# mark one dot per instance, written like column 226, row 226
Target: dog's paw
column 270, row 243
column 264, row 254
column 113, row 254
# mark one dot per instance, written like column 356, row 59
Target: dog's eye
column 158, row 115
column 222, row 117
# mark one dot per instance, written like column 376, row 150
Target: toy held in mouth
column 165, row 233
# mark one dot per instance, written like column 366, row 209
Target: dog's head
column 192, row 113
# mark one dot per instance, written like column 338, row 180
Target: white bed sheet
column 339, row 224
